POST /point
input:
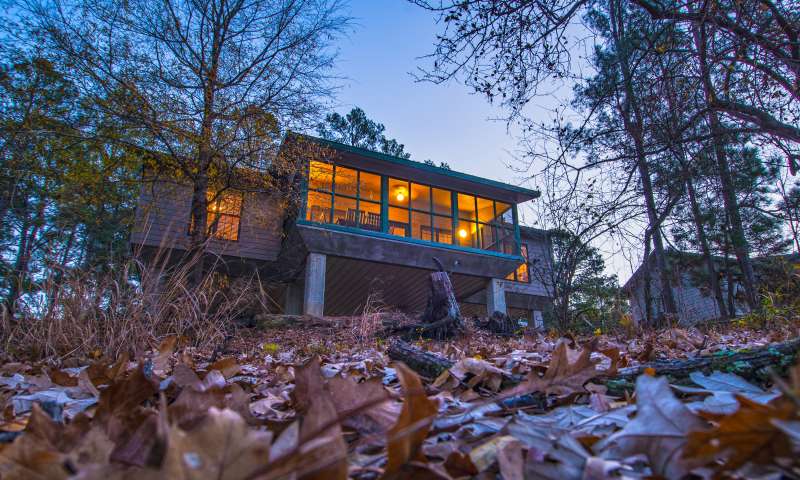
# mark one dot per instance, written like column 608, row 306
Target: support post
column 314, row 293
column 495, row 297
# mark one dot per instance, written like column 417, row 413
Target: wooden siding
column 162, row 220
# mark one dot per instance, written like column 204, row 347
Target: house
column 362, row 227
column 693, row 295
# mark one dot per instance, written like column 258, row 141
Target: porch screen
column 350, row 197
column 343, row 196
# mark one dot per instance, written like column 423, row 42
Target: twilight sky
column 438, row 122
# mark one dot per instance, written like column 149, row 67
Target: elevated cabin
column 366, row 228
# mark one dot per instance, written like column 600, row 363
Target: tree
column 358, row 130
column 578, row 285
column 68, row 203
column 204, row 88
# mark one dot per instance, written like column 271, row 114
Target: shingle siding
column 163, row 213
column 694, row 305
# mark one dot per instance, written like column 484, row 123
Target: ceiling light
column 400, row 196
column 462, row 233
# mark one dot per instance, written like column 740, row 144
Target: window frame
column 514, row 276
column 211, row 228
column 496, row 224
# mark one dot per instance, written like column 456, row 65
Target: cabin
column 354, row 228
column 691, row 289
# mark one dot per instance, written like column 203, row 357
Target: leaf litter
column 316, row 408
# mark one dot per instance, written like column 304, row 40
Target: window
column 224, row 214
column 343, row 196
column 350, row 197
column 485, row 224
column 521, row 274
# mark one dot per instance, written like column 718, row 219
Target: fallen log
column 749, row 363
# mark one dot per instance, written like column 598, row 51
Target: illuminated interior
column 349, row 197
column 224, row 214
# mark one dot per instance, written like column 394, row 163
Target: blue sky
column 438, row 122
column 444, row 123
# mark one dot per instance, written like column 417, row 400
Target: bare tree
column 210, row 85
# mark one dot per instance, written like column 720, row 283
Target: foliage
column 356, row 129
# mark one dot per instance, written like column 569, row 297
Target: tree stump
column 442, row 317
column 499, row 324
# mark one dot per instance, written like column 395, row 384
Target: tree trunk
column 711, row 270
column 749, row 363
column 632, row 118
column 647, row 278
column 738, row 239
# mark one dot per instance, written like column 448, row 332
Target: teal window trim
column 422, row 167
column 517, row 235
column 304, row 190
column 454, row 215
column 385, row 206
column 387, row 236
column 385, row 203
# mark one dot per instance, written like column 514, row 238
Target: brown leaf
column 221, row 446
column 162, row 359
column 364, row 406
column 323, row 448
column 406, row 436
column 227, row 366
column 511, row 461
column 748, row 435
column 562, row 377
column 60, row 377
column 659, row 430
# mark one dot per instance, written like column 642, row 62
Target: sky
column 444, row 123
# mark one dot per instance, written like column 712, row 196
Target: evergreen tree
column 358, row 130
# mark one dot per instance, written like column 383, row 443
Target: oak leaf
column 221, row 446
column 563, row 377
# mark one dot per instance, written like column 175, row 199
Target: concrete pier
column 314, row 292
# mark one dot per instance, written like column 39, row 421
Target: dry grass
column 366, row 325
column 128, row 310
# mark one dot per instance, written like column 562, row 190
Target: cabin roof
column 436, row 175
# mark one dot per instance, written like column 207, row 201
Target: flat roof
column 520, row 194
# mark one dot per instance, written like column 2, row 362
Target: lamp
column 462, row 233
column 400, row 196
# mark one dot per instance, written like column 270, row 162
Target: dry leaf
column 221, row 446
column 562, row 376
column 406, row 436
column 658, row 431
column 323, row 449
column 748, row 435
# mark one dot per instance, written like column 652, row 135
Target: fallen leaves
column 659, row 430
column 406, row 436
column 352, row 415
column 750, row 434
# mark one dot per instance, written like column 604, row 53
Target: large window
column 420, row 211
column 521, row 274
column 224, row 214
column 345, row 196
column 485, row 224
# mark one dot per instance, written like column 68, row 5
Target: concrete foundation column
column 314, row 293
column 293, row 302
column 495, row 297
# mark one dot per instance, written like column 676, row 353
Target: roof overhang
column 408, row 169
